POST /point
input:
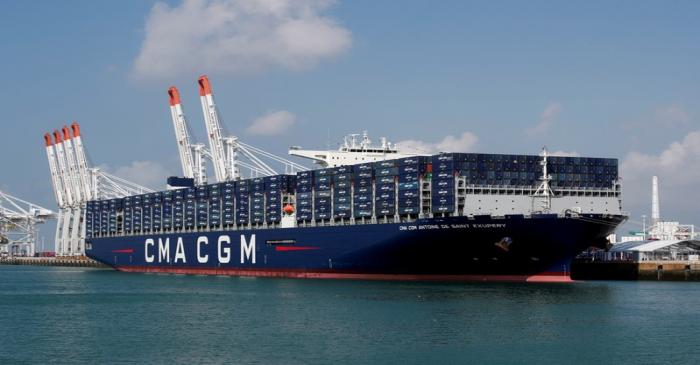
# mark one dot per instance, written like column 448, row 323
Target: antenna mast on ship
column 544, row 191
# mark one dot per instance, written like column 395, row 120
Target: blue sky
column 596, row 78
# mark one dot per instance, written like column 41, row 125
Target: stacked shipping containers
column 257, row 200
column 411, row 173
column 363, row 191
column 190, row 208
column 242, row 198
column 382, row 189
column 304, row 196
column 342, row 192
column 323, row 195
column 385, row 178
column 277, row 191
column 228, row 216
column 215, row 192
column 444, row 169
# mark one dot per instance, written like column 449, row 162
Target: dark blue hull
column 456, row 248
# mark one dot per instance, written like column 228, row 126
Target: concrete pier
column 52, row 261
column 636, row 270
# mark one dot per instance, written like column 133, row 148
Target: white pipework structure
column 75, row 183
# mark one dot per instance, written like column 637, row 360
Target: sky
column 590, row 78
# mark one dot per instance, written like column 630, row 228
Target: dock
column 52, row 261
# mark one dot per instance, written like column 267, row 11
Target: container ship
column 366, row 213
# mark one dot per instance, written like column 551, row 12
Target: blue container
column 386, row 171
column 363, row 190
column 386, row 211
column 363, row 197
column 405, row 178
column 364, row 174
column 443, row 192
column 409, row 210
column 342, row 199
column 443, row 208
column 385, row 179
column 242, row 186
column 323, row 186
column 443, row 200
column 322, row 194
column 342, row 177
column 413, row 169
column 343, row 184
column 324, row 179
column 341, row 192
column 385, row 195
column 409, row 202
column 409, row 194
column 360, row 213
column 408, row 186
column 323, row 215
column 443, row 183
column 384, row 164
column 413, row 160
column 344, row 214
column 385, row 187
column 362, row 182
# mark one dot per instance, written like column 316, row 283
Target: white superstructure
column 352, row 152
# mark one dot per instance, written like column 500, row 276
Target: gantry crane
column 74, row 184
column 224, row 150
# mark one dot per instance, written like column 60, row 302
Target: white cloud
column 237, row 37
column 272, row 123
column 547, row 118
column 150, row 174
column 672, row 115
column 464, row 143
column 678, row 168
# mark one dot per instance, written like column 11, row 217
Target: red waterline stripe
column 544, row 277
column 126, row 250
column 295, row 248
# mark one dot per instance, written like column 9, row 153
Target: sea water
column 93, row 316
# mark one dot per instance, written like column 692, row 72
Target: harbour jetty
column 52, row 261
column 672, row 260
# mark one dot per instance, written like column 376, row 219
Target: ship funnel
column 655, row 215
column 47, row 140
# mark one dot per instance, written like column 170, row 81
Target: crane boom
column 214, row 132
column 72, row 166
column 184, row 144
column 63, row 171
column 83, row 168
column 55, row 178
